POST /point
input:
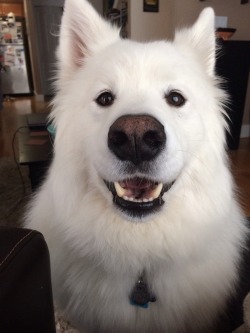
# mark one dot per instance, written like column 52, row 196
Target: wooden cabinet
column 233, row 64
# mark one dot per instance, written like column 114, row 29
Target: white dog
column 138, row 207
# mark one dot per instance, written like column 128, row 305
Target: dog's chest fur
column 103, row 293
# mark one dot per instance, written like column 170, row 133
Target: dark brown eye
column 106, row 98
column 174, row 98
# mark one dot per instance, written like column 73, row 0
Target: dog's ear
column 83, row 32
column 200, row 40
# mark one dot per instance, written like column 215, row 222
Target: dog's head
column 135, row 116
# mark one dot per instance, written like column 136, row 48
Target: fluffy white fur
column 191, row 248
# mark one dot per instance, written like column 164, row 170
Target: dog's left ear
column 83, row 33
column 200, row 40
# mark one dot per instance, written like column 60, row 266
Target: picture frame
column 151, row 6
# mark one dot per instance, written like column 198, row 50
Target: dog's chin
column 137, row 198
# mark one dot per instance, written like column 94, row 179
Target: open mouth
column 138, row 197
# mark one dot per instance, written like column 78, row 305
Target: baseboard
column 245, row 131
column 39, row 98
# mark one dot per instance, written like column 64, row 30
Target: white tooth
column 150, row 199
column 128, row 198
column 157, row 191
column 119, row 190
column 145, row 200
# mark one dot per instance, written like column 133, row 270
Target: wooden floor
column 240, row 158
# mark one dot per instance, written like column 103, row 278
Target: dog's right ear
column 83, row 32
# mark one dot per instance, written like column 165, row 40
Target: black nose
column 136, row 138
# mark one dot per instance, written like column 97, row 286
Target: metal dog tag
column 141, row 295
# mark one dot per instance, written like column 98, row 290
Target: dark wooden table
column 35, row 151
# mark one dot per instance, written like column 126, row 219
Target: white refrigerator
column 15, row 78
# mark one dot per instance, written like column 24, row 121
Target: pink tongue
column 136, row 184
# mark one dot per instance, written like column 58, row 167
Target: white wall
column 145, row 26
column 178, row 13
column 186, row 11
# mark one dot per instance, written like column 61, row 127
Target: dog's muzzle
column 137, row 140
